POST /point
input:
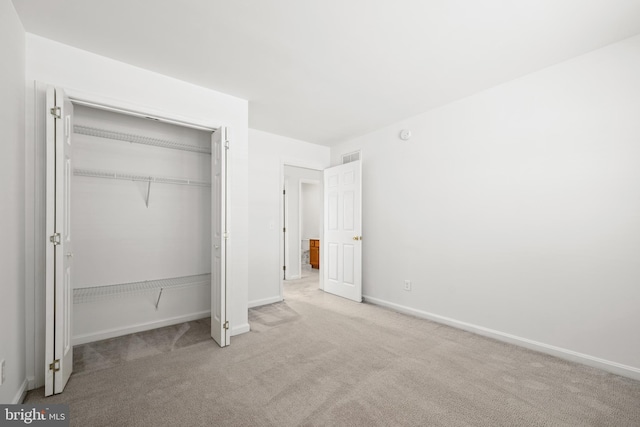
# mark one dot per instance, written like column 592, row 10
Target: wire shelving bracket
column 93, row 173
column 97, row 293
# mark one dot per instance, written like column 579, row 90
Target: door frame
column 283, row 226
column 35, row 226
column 298, row 164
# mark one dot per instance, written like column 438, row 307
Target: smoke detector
column 405, row 134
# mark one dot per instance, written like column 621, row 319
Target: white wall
column 515, row 212
column 268, row 154
column 295, row 176
column 311, row 211
column 61, row 65
column 12, row 207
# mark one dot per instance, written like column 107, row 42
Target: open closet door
column 219, row 323
column 59, row 253
column 342, row 246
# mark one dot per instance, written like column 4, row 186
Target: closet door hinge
column 56, row 112
column 55, row 239
column 284, row 268
column 225, row 137
column 225, row 325
column 55, row 366
column 225, row 235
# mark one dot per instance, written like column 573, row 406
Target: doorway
column 302, row 216
column 337, row 252
column 310, row 224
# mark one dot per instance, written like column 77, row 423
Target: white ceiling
column 327, row 70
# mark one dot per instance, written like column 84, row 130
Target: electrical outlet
column 2, row 371
column 407, row 285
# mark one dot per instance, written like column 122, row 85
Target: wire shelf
column 138, row 139
column 97, row 293
column 134, row 177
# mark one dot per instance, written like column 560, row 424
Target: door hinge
column 55, row 366
column 225, row 236
column 284, row 192
column 55, row 239
column 56, row 112
column 226, row 145
column 225, row 325
column 284, row 267
column 284, row 229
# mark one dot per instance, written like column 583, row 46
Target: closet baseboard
column 112, row 333
column 240, row 329
column 21, row 394
column 264, row 301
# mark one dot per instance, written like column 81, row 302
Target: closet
column 134, row 243
column 140, row 217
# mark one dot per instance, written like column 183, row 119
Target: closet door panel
column 219, row 324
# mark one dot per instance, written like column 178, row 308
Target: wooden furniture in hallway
column 314, row 253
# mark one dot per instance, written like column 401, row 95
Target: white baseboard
column 265, row 301
column 563, row 353
column 21, row 394
column 31, row 383
column 240, row 329
column 112, row 333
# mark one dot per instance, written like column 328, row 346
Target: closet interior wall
column 140, row 222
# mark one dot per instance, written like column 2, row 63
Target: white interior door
column 59, row 254
column 342, row 245
column 219, row 324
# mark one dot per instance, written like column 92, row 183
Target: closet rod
column 79, row 99
column 134, row 177
column 139, row 139
column 96, row 293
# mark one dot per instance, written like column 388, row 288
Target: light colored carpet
column 116, row 351
column 316, row 359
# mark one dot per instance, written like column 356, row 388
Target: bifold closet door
column 59, row 252
column 219, row 324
